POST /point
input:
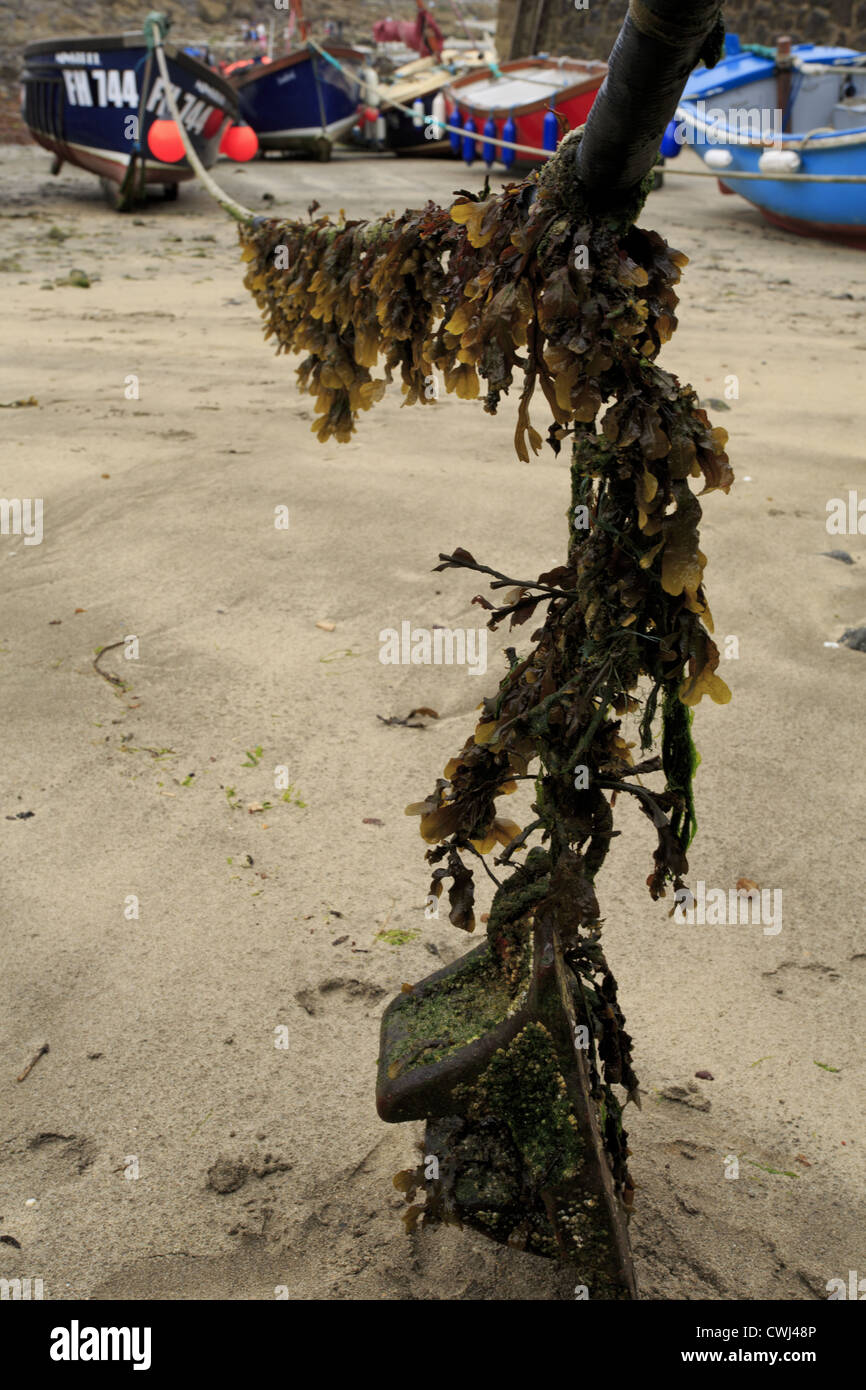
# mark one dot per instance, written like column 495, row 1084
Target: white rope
column 468, row 135
column 497, row 72
column 808, row 69
column 725, row 174
column 229, row 204
column 668, row 169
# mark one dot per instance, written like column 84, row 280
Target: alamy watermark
column 77, row 1343
column 23, row 1290
column 713, row 125
column 846, row 516
column 22, row 516
column 854, row 1290
column 437, row 646
column 719, row 907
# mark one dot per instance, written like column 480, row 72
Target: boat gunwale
column 255, row 73
column 131, row 38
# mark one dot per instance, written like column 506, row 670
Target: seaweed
column 535, row 285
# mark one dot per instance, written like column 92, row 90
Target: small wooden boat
column 303, row 101
column 802, row 111
column 92, row 101
column 521, row 94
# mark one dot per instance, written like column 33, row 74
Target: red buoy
column 164, row 142
column 240, row 142
column 213, row 123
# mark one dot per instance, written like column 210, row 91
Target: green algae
column 523, row 1088
column 397, row 936
column 453, row 1012
column 526, row 887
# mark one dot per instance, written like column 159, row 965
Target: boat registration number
column 100, row 87
column 110, row 87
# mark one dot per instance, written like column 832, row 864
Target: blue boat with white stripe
column 303, row 101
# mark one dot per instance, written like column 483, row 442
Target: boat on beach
column 800, row 110
column 411, row 107
column 305, row 100
column 407, row 110
column 92, row 102
column 533, row 97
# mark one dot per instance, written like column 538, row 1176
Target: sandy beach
column 209, row 978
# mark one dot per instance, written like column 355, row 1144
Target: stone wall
column 556, row 26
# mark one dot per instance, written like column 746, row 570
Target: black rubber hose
column 659, row 44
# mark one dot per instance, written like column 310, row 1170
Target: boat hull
column 302, row 101
column 510, row 91
column 833, row 211
column 853, row 236
column 404, row 132
column 91, row 102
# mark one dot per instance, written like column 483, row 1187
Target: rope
column 760, row 50
column 229, row 204
column 496, row 71
column 320, row 99
column 726, row 174
column 484, row 139
column 459, row 13
column 329, row 57
column 803, row 65
column 804, row 139
column 834, row 139
column 136, row 166
column 690, row 173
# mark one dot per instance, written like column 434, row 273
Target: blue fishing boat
column 92, row 102
column 303, row 101
column 798, row 109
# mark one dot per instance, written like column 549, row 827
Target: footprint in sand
column 73, row 1151
column 357, row 990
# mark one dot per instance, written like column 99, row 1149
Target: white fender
column 779, row 162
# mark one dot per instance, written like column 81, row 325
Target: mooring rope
column 725, row 174
column 229, row 204
column 479, row 138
